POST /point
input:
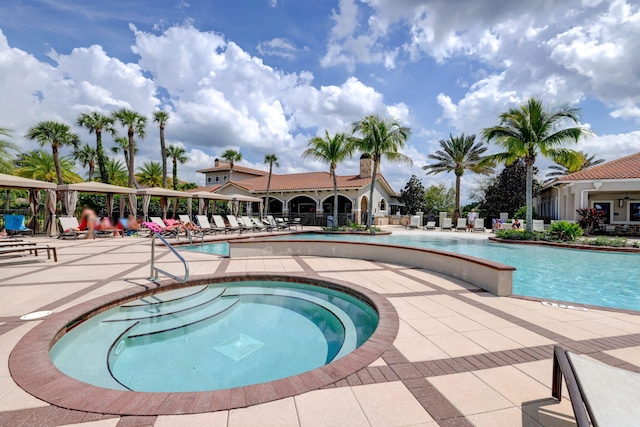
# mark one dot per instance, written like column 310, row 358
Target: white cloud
column 278, row 47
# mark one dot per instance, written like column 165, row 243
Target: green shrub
column 564, row 231
column 519, row 235
column 522, row 213
column 616, row 242
column 635, row 244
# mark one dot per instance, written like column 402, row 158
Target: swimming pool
column 588, row 277
column 214, row 337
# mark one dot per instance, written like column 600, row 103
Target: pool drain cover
column 238, row 347
column 36, row 315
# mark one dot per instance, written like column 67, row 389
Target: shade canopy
column 12, row 181
column 96, row 187
column 163, row 192
column 210, row 196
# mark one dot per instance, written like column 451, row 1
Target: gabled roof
column 224, row 166
column 624, row 168
column 12, row 181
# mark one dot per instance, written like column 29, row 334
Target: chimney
column 366, row 166
column 215, row 163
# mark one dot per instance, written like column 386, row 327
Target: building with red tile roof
column 304, row 193
column 613, row 187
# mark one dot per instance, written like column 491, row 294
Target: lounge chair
column 478, row 225
column 14, row 224
column 538, row 225
column 233, row 224
column 164, row 228
column 609, row 394
column 274, row 224
column 283, row 223
column 260, row 225
column 414, row 222
column 206, row 227
column 462, row 224
column 70, row 227
column 217, row 219
column 610, row 229
column 247, row 223
column 296, row 222
column 446, row 224
column 30, row 248
column 195, row 229
column 431, row 225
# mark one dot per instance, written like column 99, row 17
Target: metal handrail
column 155, row 270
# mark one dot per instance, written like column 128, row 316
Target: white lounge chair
column 164, row 230
column 220, row 225
column 273, row 223
column 431, row 225
column 462, row 224
column 204, row 226
column 538, row 225
column 233, row 223
column 247, row 223
column 446, row 224
column 414, row 222
column 478, row 225
column 70, row 227
column 260, row 225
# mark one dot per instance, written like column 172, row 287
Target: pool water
column 608, row 279
column 213, row 337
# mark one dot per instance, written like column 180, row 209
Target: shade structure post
column 133, row 204
column 70, row 201
column 202, row 206
column 110, row 200
column 190, row 207
column 123, row 202
column 50, row 205
column 175, row 207
column 34, row 206
column 146, row 199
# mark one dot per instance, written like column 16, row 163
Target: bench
column 32, row 248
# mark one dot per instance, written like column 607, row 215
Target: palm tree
column 177, row 154
column 98, row 123
column 231, row 156
column 40, row 165
column 331, row 150
column 529, row 130
column 458, row 154
column 272, row 159
column 54, row 134
column 562, row 170
column 380, row 138
column 161, row 118
column 135, row 124
column 86, row 155
column 122, row 146
column 150, row 174
column 6, row 157
column 117, row 172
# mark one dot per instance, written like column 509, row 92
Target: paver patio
column 461, row 357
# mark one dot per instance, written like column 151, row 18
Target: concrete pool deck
column 461, row 357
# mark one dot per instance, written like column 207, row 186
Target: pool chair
column 165, row 230
column 609, row 395
column 196, row 229
column 31, row 249
column 284, row 224
column 414, row 222
column 430, row 225
column 478, row 225
column 14, row 224
column 274, row 224
column 233, row 224
column 260, row 225
column 220, row 225
column 446, row 224
column 538, row 225
column 462, row 224
column 296, row 222
column 247, row 224
column 70, row 228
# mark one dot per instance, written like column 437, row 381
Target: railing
column 155, row 270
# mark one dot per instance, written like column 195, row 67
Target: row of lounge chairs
column 446, row 224
column 12, row 246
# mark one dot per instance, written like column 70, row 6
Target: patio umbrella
column 133, row 205
column 34, row 205
column 50, row 206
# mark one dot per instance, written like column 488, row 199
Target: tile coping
column 32, row 368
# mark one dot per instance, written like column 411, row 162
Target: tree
column 57, row 135
column 161, row 118
column 177, row 154
column 98, row 123
column 439, row 198
column 135, row 124
column 40, row 165
column 150, row 174
column 331, row 150
column 459, row 154
column 412, row 196
column 122, row 146
column 504, row 194
column 231, row 156
column 560, row 169
column 379, row 138
column 529, row 130
column 87, row 155
column 6, row 147
column 272, row 159
column 117, row 172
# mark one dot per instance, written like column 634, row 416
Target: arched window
column 383, row 205
column 217, row 178
column 208, row 179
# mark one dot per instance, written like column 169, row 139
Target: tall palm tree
column 331, row 150
column 161, row 118
column 150, row 174
column 6, row 147
column 529, row 130
column 40, row 165
column 231, row 156
column 98, row 123
column 177, row 154
column 54, row 134
column 560, row 169
column 272, row 159
column 122, row 146
column 459, row 154
column 135, row 124
column 117, row 172
column 87, row 155
column 380, row 138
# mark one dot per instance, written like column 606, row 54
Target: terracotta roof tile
column 624, row 168
column 223, row 166
column 302, row 181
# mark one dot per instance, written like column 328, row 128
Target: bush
column 519, row 235
column 564, row 231
column 590, row 219
column 616, row 242
column 522, row 213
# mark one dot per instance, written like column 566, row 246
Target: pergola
column 164, row 194
column 205, row 196
column 34, row 186
column 70, row 195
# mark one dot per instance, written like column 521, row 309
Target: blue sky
column 264, row 76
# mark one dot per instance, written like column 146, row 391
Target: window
column 224, row 178
column 383, row 205
column 217, row 178
column 208, row 179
